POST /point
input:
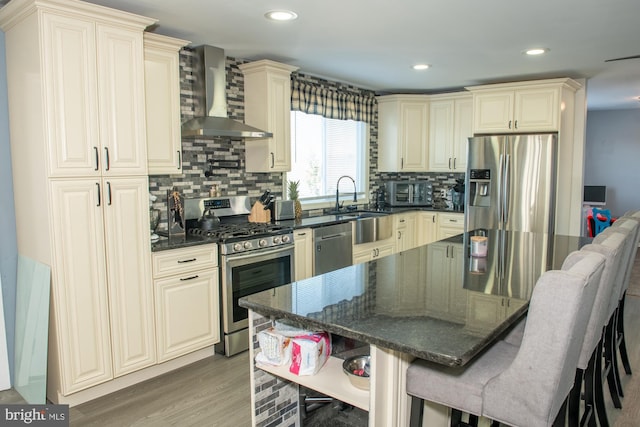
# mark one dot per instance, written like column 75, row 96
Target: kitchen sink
column 371, row 227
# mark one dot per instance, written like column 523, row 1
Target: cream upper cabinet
column 267, row 106
column 303, row 248
column 534, row 106
column 450, row 124
column 427, row 223
column 162, row 99
column 93, row 97
column 403, row 133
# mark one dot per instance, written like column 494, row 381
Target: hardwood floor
column 215, row 392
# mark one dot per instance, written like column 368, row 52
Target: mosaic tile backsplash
column 196, row 153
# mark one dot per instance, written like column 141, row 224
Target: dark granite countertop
column 434, row 302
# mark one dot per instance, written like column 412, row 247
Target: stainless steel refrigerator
column 511, row 182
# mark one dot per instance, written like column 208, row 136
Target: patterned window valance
column 315, row 99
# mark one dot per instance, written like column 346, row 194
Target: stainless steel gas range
column 253, row 257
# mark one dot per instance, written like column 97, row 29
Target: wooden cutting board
column 259, row 214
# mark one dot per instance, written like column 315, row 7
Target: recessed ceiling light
column 421, row 67
column 536, row 51
column 281, row 15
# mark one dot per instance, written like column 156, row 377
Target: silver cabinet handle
column 106, row 153
column 189, row 278
column 97, row 158
column 301, row 234
column 454, row 163
column 186, row 260
column 515, row 124
column 179, row 159
column 449, row 162
column 399, row 235
column 98, row 187
column 109, row 193
column 433, row 219
column 509, row 124
column 273, row 160
column 401, row 162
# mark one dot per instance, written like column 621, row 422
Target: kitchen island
column 433, row 302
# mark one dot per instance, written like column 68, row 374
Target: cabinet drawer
column 451, row 220
column 177, row 261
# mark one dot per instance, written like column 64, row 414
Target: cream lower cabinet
column 162, row 98
column 404, row 225
column 484, row 309
column 102, row 295
column 446, row 296
column 303, row 253
column 427, row 223
column 186, row 284
column 371, row 251
column 450, row 224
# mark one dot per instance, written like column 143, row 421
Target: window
column 323, row 150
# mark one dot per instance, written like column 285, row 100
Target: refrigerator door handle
column 500, row 189
column 507, row 188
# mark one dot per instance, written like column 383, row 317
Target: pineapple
column 293, row 195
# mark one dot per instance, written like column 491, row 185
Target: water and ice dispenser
column 479, row 187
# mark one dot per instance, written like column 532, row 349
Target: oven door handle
column 255, row 254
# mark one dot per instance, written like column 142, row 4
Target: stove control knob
column 237, row 247
column 285, row 239
column 248, row 245
column 262, row 243
column 276, row 240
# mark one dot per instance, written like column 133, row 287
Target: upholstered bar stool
column 621, row 344
column 629, row 230
column 493, row 384
column 589, row 372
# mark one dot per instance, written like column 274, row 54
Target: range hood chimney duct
column 210, row 92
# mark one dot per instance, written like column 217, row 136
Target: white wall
column 8, row 245
column 612, row 157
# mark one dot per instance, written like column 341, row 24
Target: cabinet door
column 303, row 253
column 121, row 96
column 129, row 271
column 441, row 135
column 362, row 256
column 162, row 107
column 537, row 109
column 79, row 284
column 462, row 130
column 450, row 224
column 71, row 99
column 413, row 131
column 385, row 250
column 406, row 231
column 427, row 228
column 187, row 314
column 279, row 113
column 493, row 112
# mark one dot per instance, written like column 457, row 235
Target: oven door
column 249, row 273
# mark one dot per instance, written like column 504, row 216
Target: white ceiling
column 373, row 43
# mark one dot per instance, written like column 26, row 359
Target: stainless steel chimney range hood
column 210, row 93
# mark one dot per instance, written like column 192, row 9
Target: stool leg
column 589, row 416
column 598, row 386
column 621, row 342
column 473, row 420
column 456, row 417
column 574, row 400
column 417, row 412
column 562, row 415
column 614, row 354
column 609, row 356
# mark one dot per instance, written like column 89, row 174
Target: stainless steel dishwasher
column 332, row 247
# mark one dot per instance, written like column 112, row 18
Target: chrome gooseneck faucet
column 355, row 191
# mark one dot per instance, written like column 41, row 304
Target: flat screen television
column 595, row 195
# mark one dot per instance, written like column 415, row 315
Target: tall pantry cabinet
column 77, row 124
